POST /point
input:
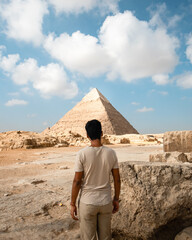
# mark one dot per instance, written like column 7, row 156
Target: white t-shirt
column 96, row 163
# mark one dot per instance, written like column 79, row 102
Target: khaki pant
column 95, row 221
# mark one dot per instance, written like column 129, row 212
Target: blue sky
column 137, row 53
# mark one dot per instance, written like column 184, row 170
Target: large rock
column 180, row 141
column 156, row 201
column 171, row 157
column 186, row 234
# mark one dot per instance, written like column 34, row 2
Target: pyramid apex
column 93, row 95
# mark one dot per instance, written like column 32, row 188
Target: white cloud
column 145, row 109
column 25, row 71
column 189, row 48
column 79, row 53
column 135, row 103
column 8, row 63
column 14, row 102
column 172, row 22
column 184, row 80
column 138, row 50
column 160, row 18
column 24, row 19
column 50, row 80
column 126, row 48
column 161, row 79
column 156, row 18
column 77, row 6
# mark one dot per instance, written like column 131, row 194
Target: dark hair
column 93, row 129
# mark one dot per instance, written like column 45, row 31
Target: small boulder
column 125, row 141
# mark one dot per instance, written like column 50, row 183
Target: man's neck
column 96, row 143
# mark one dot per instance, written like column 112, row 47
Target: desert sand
column 35, row 186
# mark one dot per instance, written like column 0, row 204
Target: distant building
column 93, row 106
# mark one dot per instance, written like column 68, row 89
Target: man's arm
column 117, row 187
column 74, row 193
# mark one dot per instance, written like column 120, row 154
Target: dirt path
column 35, row 190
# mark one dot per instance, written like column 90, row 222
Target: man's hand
column 75, row 190
column 117, row 187
column 115, row 206
column 74, row 212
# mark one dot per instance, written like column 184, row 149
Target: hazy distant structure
column 93, row 106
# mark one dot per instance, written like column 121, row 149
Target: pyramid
column 93, row 106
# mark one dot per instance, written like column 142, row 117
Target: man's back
column 93, row 167
column 96, row 163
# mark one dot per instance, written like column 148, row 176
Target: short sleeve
column 115, row 164
column 78, row 163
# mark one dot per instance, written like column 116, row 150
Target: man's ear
column 102, row 134
column 88, row 137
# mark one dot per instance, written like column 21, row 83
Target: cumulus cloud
column 161, row 79
column 189, row 48
column 138, row 50
column 185, row 80
column 160, row 17
column 50, row 80
column 8, row 63
column 76, row 6
column 25, row 71
column 24, row 19
column 14, row 102
column 79, row 53
column 126, row 48
column 145, row 109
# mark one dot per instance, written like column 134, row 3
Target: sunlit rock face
column 180, row 141
column 156, row 200
column 171, row 157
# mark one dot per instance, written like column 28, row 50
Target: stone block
column 156, row 201
column 180, row 141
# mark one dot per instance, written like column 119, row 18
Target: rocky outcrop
column 180, row 141
column 156, row 201
column 29, row 140
column 171, row 157
column 186, row 234
column 134, row 139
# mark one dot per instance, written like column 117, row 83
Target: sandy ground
column 35, row 188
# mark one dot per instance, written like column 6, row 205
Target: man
column 93, row 166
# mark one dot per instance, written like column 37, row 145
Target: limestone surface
column 156, row 201
column 31, row 140
column 180, row 141
column 171, row 157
